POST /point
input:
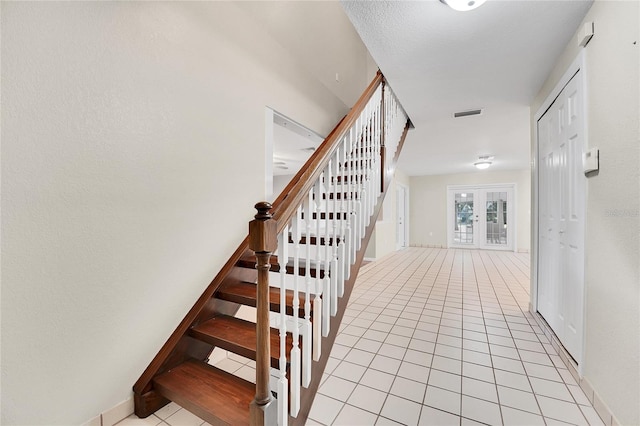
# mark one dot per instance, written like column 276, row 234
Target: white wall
column 280, row 182
column 612, row 353
column 429, row 204
column 383, row 240
column 132, row 154
column 321, row 37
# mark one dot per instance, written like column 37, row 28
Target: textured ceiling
column 439, row 61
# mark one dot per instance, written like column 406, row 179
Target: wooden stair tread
column 238, row 336
column 244, row 293
column 212, row 394
column 249, row 261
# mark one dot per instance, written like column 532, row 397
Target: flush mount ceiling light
column 463, row 5
column 484, row 162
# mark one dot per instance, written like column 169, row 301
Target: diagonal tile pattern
column 436, row 337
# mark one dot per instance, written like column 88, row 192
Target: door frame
column 578, row 64
column 405, row 191
column 512, row 213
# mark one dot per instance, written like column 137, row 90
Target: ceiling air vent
column 467, row 113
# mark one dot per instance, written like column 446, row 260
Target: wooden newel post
column 263, row 241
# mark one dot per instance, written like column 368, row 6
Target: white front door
column 481, row 216
column 561, row 216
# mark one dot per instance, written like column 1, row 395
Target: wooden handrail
column 285, row 206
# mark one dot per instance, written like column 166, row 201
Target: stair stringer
column 180, row 346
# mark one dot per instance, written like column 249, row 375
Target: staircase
column 297, row 268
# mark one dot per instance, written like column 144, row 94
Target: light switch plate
column 590, row 160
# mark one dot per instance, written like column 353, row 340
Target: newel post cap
column 263, row 236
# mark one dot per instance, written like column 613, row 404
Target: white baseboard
column 96, row 421
column 601, row 408
column 113, row 415
column 118, row 413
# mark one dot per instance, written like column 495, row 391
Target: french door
column 481, row 217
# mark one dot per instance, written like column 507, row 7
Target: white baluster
column 340, row 231
column 318, row 301
column 296, row 366
column 323, row 254
column 330, row 238
column 363, row 167
column 368, row 148
column 377, row 145
column 372, row 160
column 347, row 203
column 283, row 385
column 352, row 196
column 307, row 344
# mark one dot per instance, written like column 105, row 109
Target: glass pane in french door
column 496, row 214
column 463, row 230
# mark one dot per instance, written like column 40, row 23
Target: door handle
column 561, row 231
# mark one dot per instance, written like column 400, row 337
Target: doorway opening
column 288, row 145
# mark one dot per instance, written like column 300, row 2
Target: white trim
column 578, row 64
column 118, row 413
column 96, row 421
column 268, row 153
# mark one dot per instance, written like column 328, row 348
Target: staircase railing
column 319, row 223
column 311, row 243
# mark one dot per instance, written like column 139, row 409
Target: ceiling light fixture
column 484, row 162
column 463, row 5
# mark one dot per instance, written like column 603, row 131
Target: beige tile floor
column 436, row 337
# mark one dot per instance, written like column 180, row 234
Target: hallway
column 444, row 337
